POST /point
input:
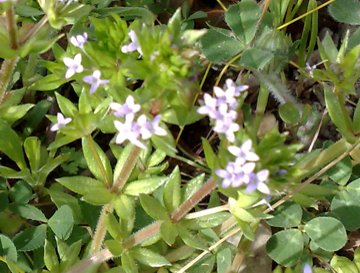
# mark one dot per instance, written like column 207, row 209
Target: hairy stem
column 126, row 170
column 6, row 71
column 12, row 27
column 100, row 231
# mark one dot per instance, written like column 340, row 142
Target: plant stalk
column 100, row 231
column 6, row 71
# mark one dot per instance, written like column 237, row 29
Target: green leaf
column 341, row 172
column 343, row 265
column 208, row 221
column 345, row 207
column 99, row 196
column 243, row 19
column 223, row 260
column 210, row 155
column 11, row 145
column 14, row 113
column 204, row 265
column 115, row 248
column 346, row 11
column 32, row 147
column 96, row 163
column 193, row 185
column 356, row 118
column 219, row 45
column 21, row 192
column 255, row 58
column 124, row 207
column 327, row 232
column 28, row 212
column 128, row 263
column 190, row 239
column 168, row 232
column 113, row 227
column 153, row 207
column 146, row 186
column 81, row 184
column 62, row 222
column 339, row 118
column 172, row 190
column 70, row 256
column 31, row 238
column 148, row 257
column 48, row 83
column 50, row 257
column 289, row 113
column 59, row 198
column 287, row 215
column 7, row 248
column 285, row 247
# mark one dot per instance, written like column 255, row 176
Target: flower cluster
column 221, row 108
column 74, row 65
column 241, row 171
column 133, row 129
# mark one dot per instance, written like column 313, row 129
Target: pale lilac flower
column 128, row 130
column 225, row 97
column 235, row 174
column 224, row 122
column 149, row 128
column 257, row 182
column 94, row 81
column 61, row 122
column 128, row 108
column 210, row 107
column 307, row 268
column 73, row 65
column 230, row 84
column 244, row 153
column 135, row 131
column 310, row 69
column 79, row 40
column 133, row 46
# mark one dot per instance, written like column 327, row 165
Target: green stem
column 6, row 71
column 124, row 175
column 126, row 170
column 260, row 107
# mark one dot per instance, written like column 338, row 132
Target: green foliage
column 163, row 207
column 327, row 232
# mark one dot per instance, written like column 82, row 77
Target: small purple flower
column 94, row 81
column 307, row 268
column 149, row 128
column 225, row 97
column 79, row 40
column 237, row 88
column 244, row 153
column 224, row 122
column 133, row 46
column 128, row 130
column 257, row 182
column 135, row 131
column 73, row 66
column 61, row 122
column 128, row 108
column 210, row 107
column 235, row 174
